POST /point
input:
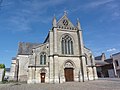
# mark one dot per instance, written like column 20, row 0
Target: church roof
column 26, row 48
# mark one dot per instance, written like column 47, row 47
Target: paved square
column 101, row 84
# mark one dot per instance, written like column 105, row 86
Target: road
column 101, row 84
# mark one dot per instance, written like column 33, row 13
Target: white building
column 116, row 64
column 1, row 74
column 104, row 66
column 14, row 69
column 61, row 58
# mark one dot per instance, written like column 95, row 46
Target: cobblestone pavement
column 101, row 84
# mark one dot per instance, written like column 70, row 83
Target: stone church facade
column 62, row 57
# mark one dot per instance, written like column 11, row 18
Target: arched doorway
column 69, row 72
column 42, row 75
column 69, row 76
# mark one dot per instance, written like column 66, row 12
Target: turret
column 54, row 23
column 78, row 25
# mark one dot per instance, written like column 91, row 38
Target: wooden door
column 42, row 77
column 69, row 74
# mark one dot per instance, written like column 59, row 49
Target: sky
column 31, row 20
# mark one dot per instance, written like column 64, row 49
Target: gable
column 64, row 22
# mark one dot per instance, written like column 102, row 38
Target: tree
column 2, row 66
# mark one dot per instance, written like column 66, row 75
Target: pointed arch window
column 67, row 45
column 43, row 59
column 91, row 59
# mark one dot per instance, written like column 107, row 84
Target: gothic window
column 91, row 59
column 43, row 59
column 67, row 45
column 86, row 58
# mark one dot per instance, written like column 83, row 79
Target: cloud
column 97, row 3
column 111, row 50
column 27, row 13
column 109, row 9
column 17, row 24
column 116, row 14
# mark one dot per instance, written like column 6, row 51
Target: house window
column 67, row 45
column 43, row 59
column 116, row 62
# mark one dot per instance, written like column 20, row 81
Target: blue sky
column 30, row 21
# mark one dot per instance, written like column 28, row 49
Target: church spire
column 78, row 24
column 54, row 23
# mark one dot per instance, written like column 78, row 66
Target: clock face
column 65, row 22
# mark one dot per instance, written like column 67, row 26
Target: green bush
column 2, row 66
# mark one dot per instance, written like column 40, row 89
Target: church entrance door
column 69, row 74
column 42, row 77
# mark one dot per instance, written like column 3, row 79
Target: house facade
column 104, row 66
column 116, row 64
column 62, row 57
column 1, row 74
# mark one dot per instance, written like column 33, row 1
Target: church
column 62, row 57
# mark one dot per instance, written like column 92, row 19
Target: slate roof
column 26, row 48
column 13, row 58
column 110, row 60
column 100, row 63
column 115, row 54
column 7, row 69
column 98, row 58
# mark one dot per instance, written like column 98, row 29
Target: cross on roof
column 65, row 12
